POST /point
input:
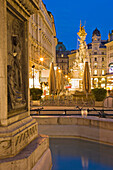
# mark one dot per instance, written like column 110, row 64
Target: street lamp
column 33, row 66
column 41, row 59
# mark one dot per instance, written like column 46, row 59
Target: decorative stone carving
column 16, row 94
column 5, row 147
column 27, row 135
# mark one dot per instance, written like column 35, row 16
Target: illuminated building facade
column 42, row 46
column 98, row 60
column 72, row 58
column 62, row 59
column 109, row 74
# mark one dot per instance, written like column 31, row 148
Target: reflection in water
column 71, row 154
column 84, row 162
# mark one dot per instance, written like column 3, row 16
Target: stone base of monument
column 35, row 156
column 16, row 136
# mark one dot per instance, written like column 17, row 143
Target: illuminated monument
column 82, row 58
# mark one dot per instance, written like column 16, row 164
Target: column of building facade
column 3, row 63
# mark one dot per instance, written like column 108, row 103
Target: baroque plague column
column 17, row 128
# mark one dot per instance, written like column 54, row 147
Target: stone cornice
column 109, row 43
column 23, row 7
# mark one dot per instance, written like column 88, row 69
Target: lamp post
column 33, row 66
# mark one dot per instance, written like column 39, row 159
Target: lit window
column 103, row 79
column 95, row 72
column 102, row 85
column 95, row 64
column 96, row 79
column 102, row 72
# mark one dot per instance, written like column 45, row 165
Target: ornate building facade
column 109, row 75
column 62, row 59
column 42, row 46
column 98, row 60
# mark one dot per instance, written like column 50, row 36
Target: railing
column 65, row 112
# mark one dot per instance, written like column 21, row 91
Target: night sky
column 68, row 13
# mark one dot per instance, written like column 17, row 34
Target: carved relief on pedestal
column 5, row 147
column 16, row 94
column 27, row 135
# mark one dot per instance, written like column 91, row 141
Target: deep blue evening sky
column 68, row 13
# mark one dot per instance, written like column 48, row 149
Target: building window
column 95, row 72
column 111, row 54
column 95, row 53
column 102, row 72
column 102, row 53
column 111, row 47
column 103, row 79
column 95, row 80
column 95, row 64
column 62, row 55
column 102, row 58
column 95, row 59
column 90, row 60
column 60, row 49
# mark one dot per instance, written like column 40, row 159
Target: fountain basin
column 91, row 128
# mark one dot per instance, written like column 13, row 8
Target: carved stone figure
column 16, row 98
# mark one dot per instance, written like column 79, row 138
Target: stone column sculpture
column 18, row 130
